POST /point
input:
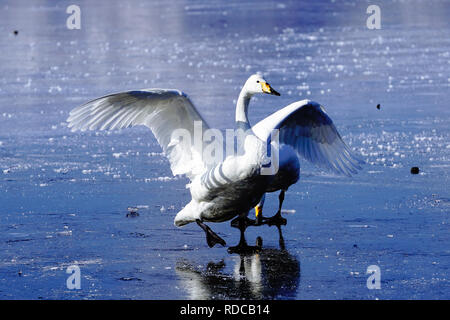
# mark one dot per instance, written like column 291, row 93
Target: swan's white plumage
column 161, row 110
column 305, row 126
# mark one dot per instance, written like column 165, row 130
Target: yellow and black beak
column 266, row 88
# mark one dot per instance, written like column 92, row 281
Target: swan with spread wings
column 230, row 188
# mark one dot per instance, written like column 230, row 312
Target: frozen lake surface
column 64, row 196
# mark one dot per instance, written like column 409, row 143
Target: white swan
column 305, row 130
column 221, row 191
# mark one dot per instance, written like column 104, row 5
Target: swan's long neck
column 242, row 110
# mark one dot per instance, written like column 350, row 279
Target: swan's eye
column 257, row 81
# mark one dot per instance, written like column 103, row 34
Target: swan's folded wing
column 306, row 127
column 163, row 111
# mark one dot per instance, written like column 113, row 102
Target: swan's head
column 257, row 84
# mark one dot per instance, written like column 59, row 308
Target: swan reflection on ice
column 264, row 275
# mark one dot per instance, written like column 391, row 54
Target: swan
column 307, row 131
column 223, row 190
column 220, row 191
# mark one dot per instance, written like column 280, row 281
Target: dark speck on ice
column 132, row 212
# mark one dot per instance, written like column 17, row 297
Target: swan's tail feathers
column 187, row 215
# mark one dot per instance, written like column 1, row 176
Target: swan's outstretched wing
column 305, row 126
column 163, row 111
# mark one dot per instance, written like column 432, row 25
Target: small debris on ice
column 132, row 212
column 415, row 170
